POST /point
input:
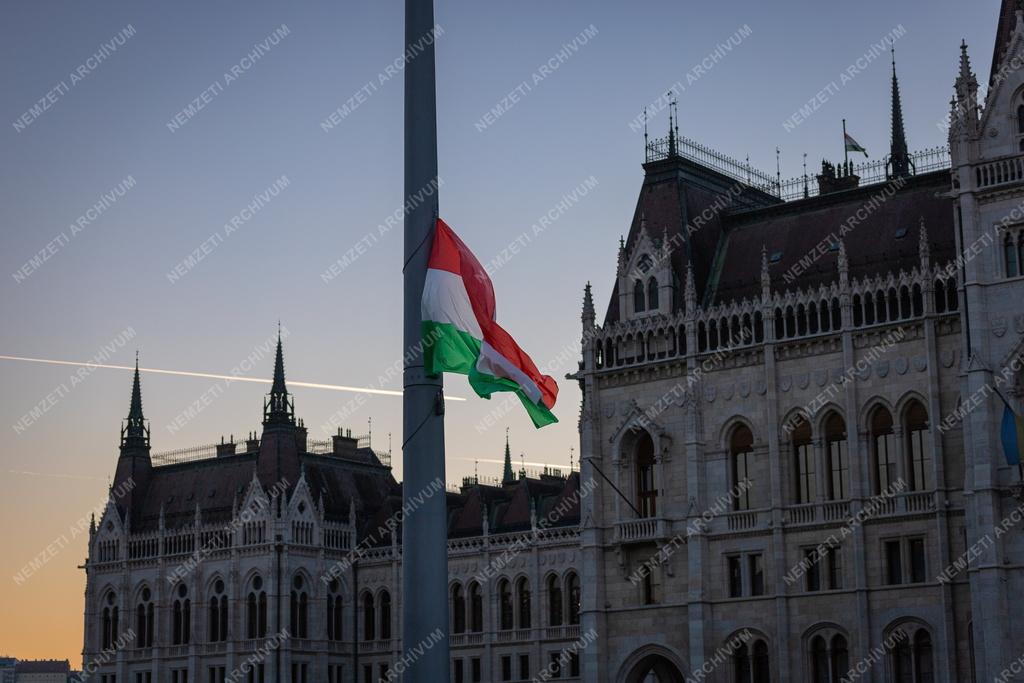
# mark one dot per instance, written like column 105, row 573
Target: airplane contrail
column 230, row 378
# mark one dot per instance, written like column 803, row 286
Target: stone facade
column 798, row 405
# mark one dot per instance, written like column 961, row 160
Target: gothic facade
column 279, row 559
column 794, row 410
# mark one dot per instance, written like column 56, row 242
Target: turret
column 133, row 464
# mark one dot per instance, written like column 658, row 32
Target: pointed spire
column 278, row 408
column 899, row 157
column 135, row 433
column 589, row 315
column 923, row 250
column 967, row 96
column 690, row 291
column 671, row 129
column 508, row 476
column 766, row 278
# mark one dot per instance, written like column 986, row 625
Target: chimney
column 252, row 444
column 837, row 179
column 344, row 443
column 225, row 449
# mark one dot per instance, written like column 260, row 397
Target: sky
column 126, row 182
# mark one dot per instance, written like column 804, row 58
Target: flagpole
column 424, row 526
column 846, row 151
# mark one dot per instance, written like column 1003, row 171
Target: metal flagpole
column 424, row 526
column 846, row 152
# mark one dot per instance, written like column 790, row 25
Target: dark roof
column 886, row 240
column 43, row 666
column 1004, row 31
column 731, row 223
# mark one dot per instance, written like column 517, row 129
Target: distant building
column 300, row 562
column 7, row 666
column 42, row 671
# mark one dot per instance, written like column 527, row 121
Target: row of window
column 218, row 614
column 911, row 655
column 905, row 561
column 917, row 471
column 792, row 321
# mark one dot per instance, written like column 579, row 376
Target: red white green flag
column 854, row 146
column 461, row 335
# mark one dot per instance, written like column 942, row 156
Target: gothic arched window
column 652, row 294
column 144, row 619
column 458, row 609
column 919, row 448
column 638, row 297
column 181, row 629
column 803, row 455
column 646, row 491
column 505, row 616
column 385, row 615
column 109, row 628
column 752, row 664
column 913, row 657
column 741, row 449
column 523, row 600
column 838, row 458
column 369, row 617
column 217, row 617
column 883, row 449
column 476, row 608
column 298, row 608
column 256, row 610
column 572, row 589
column 555, row 615
column 335, row 612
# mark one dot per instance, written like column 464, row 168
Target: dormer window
column 638, row 297
column 652, row 294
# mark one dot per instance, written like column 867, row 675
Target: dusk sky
column 120, row 128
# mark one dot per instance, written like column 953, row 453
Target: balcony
column 466, row 639
column 375, row 646
column 641, row 530
column 565, row 632
column 1004, row 171
column 841, row 512
column 521, row 635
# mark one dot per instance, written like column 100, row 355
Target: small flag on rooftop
column 461, row 335
column 854, row 146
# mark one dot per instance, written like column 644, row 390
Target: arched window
column 838, row 458
column 523, row 601
column 840, row 659
column 572, row 589
column 652, row 294
column 144, row 619
column 109, row 630
column 1012, row 261
column 369, row 617
column 476, row 608
column 913, row 657
column 803, row 455
column 335, row 613
column 181, row 628
column 298, row 608
column 554, row 601
column 883, row 449
column 458, row 609
column 646, row 491
column 741, row 447
column 385, row 615
column 638, row 296
column 751, row 664
column 819, row 661
column 256, row 610
column 505, row 616
column 217, row 617
column 919, row 448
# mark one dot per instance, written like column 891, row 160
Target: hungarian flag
column 460, row 333
column 1011, row 433
column 854, row 146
